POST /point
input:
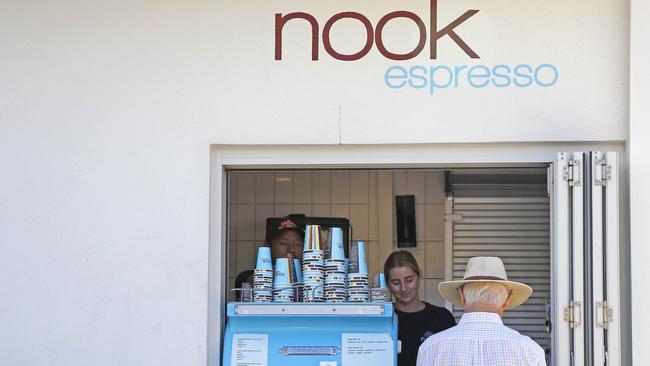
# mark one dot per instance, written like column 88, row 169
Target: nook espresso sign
column 427, row 77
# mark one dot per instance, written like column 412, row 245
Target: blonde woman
column 417, row 319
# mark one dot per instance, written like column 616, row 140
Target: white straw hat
column 485, row 269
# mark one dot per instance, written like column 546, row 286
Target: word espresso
column 478, row 76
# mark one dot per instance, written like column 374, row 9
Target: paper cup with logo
column 282, row 281
column 337, row 249
column 282, row 273
column 264, row 258
column 363, row 264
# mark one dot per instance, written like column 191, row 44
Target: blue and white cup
column 298, row 269
column 363, row 263
column 337, row 248
column 282, row 273
column 264, row 259
column 283, row 281
column 312, row 238
column 263, row 275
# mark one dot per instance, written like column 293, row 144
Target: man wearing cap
column 287, row 240
column 481, row 338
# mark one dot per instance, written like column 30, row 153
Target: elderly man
column 481, row 338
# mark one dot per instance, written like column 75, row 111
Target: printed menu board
column 250, row 350
column 367, row 349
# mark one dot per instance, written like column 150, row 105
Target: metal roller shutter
column 506, row 214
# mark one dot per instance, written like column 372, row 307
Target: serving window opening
column 458, row 214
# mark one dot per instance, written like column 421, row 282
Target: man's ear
column 505, row 304
column 462, row 295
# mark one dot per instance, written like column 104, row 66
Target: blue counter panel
column 306, row 334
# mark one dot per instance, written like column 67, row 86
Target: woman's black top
column 414, row 328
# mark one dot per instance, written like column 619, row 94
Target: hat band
column 483, row 278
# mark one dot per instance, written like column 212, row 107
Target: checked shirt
column 480, row 339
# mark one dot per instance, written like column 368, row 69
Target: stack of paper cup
column 297, row 288
column 312, row 276
column 263, row 276
column 283, row 281
column 358, row 282
column 357, row 287
column 297, row 271
column 335, row 269
column 335, row 280
column 313, row 266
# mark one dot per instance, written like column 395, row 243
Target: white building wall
column 639, row 152
column 107, row 112
column 331, row 101
column 106, row 115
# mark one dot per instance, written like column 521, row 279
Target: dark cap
column 286, row 225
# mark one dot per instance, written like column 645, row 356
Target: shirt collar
column 480, row 317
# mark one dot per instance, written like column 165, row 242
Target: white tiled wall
column 254, row 196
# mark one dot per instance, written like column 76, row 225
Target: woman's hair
column 400, row 258
column 485, row 292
